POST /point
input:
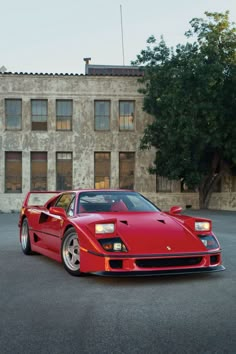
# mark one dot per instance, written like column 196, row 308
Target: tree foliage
column 191, row 93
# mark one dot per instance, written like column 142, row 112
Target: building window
column 39, row 114
column 64, row 114
column 102, row 169
column 102, row 115
column 163, row 184
column 126, row 170
column 13, row 172
column 64, row 170
column 38, row 171
column 126, row 115
column 13, row 110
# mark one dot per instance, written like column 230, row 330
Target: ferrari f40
column 116, row 232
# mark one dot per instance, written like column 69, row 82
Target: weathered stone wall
column 166, row 200
column 223, row 201
column 83, row 140
column 219, row 201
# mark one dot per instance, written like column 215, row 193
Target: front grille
column 168, row 262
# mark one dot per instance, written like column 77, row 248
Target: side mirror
column 175, row 209
column 57, row 211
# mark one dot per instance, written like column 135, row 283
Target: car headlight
column 209, row 242
column 104, row 228
column 114, row 244
column 202, row 226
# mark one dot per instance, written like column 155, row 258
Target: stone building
column 69, row 131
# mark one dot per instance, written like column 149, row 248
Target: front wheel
column 70, row 252
column 24, row 238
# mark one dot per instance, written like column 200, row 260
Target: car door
column 52, row 228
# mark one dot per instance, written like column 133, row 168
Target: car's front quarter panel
column 165, row 253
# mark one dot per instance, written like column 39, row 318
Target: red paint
column 147, row 235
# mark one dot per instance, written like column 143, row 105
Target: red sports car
column 116, row 232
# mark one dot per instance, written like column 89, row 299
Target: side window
column 65, row 201
column 70, row 211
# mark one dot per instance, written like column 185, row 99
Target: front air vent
column 36, row 238
column 162, row 221
column 116, row 263
column 124, row 222
column 214, row 259
column 43, row 218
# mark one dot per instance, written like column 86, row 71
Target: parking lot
column 45, row 310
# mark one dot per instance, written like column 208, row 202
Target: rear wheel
column 70, row 252
column 24, row 238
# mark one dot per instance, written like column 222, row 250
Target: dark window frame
column 62, row 180
column 40, row 179
column 39, row 125
column 131, row 176
column 97, row 176
column 17, row 116
column 99, row 117
column 17, row 176
column 59, row 115
column 126, row 117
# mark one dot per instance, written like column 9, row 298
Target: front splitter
column 135, row 273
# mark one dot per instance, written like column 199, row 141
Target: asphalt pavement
column 45, row 310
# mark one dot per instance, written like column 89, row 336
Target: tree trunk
column 218, row 168
column 206, row 189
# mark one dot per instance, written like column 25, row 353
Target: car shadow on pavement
column 160, row 280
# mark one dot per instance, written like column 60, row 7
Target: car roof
column 97, row 190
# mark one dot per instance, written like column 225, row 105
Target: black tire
column 70, row 252
column 24, row 238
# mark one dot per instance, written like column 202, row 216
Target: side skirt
column 47, row 253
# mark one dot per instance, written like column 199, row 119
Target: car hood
column 156, row 233
column 152, row 233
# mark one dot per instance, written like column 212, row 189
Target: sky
column 53, row 36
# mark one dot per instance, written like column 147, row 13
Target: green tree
column 191, row 93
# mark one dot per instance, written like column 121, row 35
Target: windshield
column 113, row 201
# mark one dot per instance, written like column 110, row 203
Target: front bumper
column 124, row 264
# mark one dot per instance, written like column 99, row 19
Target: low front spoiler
column 161, row 272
